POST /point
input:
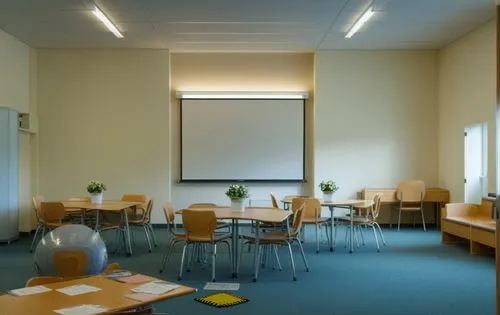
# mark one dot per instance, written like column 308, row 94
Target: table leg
column 256, row 253
column 351, row 232
column 332, row 227
column 96, row 228
column 127, row 231
column 236, row 248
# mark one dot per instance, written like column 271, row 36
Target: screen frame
column 228, row 180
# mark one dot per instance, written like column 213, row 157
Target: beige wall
column 376, row 118
column 467, row 95
column 15, row 93
column 104, row 115
column 236, row 72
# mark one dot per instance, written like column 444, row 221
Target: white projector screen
column 242, row 140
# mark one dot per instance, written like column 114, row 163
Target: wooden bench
column 470, row 223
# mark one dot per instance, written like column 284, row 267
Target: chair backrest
column 111, row 268
column 312, row 207
column 134, row 198
column 42, row 280
column 72, row 263
column 52, row 211
column 202, row 205
column 168, row 211
column 377, row 201
column 199, row 225
column 37, row 206
column 148, row 211
column 274, row 201
column 298, row 215
column 410, row 191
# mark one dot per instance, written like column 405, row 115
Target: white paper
column 78, row 289
column 222, row 286
column 81, row 310
column 155, row 287
column 29, row 290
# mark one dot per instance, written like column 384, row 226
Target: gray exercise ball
column 78, row 249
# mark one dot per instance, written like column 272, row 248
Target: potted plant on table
column 237, row 194
column 96, row 189
column 328, row 187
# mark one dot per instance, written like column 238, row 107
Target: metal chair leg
column 275, row 248
column 360, row 228
column 214, row 255
column 146, row 234
column 291, row 260
column 317, row 238
column 380, row 232
column 423, row 220
column 166, row 255
column 35, row 238
column 153, row 236
column 399, row 219
column 376, row 238
column 303, row 256
column 182, row 261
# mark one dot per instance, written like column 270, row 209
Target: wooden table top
column 267, row 214
column 105, row 205
column 357, row 203
column 111, row 296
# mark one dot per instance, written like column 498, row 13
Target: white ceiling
column 243, row 25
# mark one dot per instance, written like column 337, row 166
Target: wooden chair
column 312, row 215
column 34, row 281
column 77, row 215
column 282, row 238
column 200, row 228
column 220, row 224
column 111, row 268
column 370, row 219
column 53, row 214
column 274, row 201
column 144, row 221
column 37, row 200
column 410, row 194
column 175, row 237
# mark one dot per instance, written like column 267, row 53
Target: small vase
column 96, row 198
column 327, row 196
column 238, row 204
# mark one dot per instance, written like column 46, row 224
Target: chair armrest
column 458, row 210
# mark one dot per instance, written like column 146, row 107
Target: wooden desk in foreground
column 437, row 196
column 111, row 296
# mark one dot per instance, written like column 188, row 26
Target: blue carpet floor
column 413, row 274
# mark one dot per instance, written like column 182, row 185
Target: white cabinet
column 9, row 174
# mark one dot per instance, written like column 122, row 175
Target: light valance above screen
column 228, row 139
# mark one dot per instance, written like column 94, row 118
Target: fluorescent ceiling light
column 360, row 22
column 243, row 95
column 104, row 19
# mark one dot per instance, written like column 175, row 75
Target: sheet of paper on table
column 85, row 309
column 78, row 289
column 155, row 287
column 29, row 290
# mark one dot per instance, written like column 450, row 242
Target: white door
column 475, row 163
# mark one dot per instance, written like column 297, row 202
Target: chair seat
column 217, row 238
column 356, row 219
column 315, row 220
column 270, row 237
